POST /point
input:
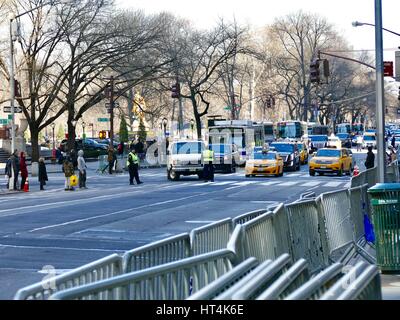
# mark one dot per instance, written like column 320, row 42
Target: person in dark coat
column 74, row 159
column 393, row 142
column 12, row 168
column 23, row 168
column 42, row 173
column 370, row 160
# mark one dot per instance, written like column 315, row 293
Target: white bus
column 244, row 134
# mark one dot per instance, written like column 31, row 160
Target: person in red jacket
column 23, row 169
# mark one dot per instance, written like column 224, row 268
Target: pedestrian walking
column 82, row 170
column 68, row 173
column 208, row 166
column 23, row 168
column 370, row 160
column 133, row 166
column 393, row 142
column 59, row 156
column 359, row 141
column 42, row 173
column 110, row 159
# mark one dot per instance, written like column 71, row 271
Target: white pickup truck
column 184, row 159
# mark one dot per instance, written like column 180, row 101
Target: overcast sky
column 341, row 13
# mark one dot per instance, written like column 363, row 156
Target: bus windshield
column 289, row 130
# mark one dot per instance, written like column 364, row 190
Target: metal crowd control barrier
column 280, row 223
column 211, row 237
column 361, row 282
column 252, row 288
column 358, row 202
column 103, row 163
column 95, row 271
column 157, row 253
column 371, row 176
column 225, row 281
column 317, row 286
column 287, row 282
column 172, row 281
column 243, row 218
column 335, row 209
column 392, row 172
column 307, row 231
column 258, row 238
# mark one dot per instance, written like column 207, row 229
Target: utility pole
column 380, row 99
column 111, row 112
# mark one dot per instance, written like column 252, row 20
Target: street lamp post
column 164, row 122
column 192, row 127
column 53, row 158
column 83, row 130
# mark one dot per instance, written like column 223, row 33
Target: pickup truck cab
column 184, row 159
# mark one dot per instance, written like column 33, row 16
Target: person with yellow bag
column 70, row 177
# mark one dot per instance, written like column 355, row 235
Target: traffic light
column 314, row 72
column 176, row 91
column 17, row 89
column 269, row 102
column 102, row 134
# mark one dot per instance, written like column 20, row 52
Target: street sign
column 4, row 121
column 388, row 68
column 103, row 119
column 7, row 109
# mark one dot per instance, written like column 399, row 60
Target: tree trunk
column 71, row 136
column 35, row 142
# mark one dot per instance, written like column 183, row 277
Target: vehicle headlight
column 226, row 158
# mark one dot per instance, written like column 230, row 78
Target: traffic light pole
column 112, row 112
column 12, row 88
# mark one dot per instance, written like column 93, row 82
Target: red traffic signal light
column 314, row 71
column 388, row 68
column 176, row 90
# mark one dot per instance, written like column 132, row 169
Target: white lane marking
column 269, row 183
column 224, row 183
column 205, row 221
column 232, row 188
column 294, row 175
column 289, row 183
column 311, row 184
column 112, row 213
column 264, row 202
column 69, row 202
column 58, row 248
column 202, row 184
column 333, row 184
column 245, row 183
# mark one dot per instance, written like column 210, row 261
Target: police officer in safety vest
column 208, row 167
column 133, row 165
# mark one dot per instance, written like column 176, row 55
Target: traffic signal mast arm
column 346, row 58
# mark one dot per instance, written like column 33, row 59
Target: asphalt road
column 66, row 229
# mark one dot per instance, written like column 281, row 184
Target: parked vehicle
column 43, row 151
column 369, row 139
column 91, row 148
column 289, row 153
column 184, row 158
column 225, row 155
column 264, row 163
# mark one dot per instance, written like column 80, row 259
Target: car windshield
column 369, row 138
column 187, row 148
column 264, row 156
column 328, row 153
column 283, row 147
column 221, row 148
column 319, row 138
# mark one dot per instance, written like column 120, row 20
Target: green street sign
column 227, row 108
column 9, row 117
column 4, row 121
column 103, row 119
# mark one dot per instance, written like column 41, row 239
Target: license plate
column 323, row 167
column 260, row 169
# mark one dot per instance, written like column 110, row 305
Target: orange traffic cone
column 356, row 171
column 26, row 185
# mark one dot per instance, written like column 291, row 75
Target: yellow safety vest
column 208, row 156
column 135, row 159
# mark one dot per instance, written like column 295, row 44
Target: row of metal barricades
column 302, row 250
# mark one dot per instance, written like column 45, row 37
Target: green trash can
column 385, row 201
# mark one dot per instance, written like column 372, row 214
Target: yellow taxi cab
column 331, row 160
column 264, row 163
column 303, row 153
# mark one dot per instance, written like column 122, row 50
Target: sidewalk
column 390, row 286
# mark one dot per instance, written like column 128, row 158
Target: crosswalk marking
column 245, row 183
column 269, row 183
column 311, row 184
column 224, row 183
column 202, row 184
column 332, row 184
column 294, row 175
column 289, row 183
